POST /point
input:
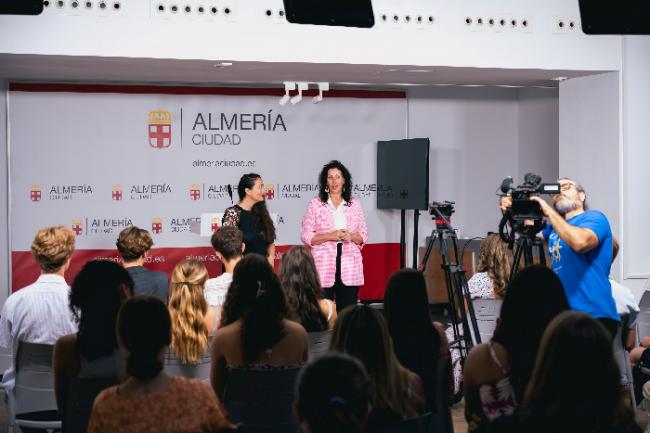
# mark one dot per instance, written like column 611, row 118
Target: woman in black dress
column 252, row 218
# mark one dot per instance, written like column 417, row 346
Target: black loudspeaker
column 344, row 13
column 21, row 7
column 615, row 17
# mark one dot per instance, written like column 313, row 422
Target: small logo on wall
column 77, row 227
column 160, row 129
column 195, row 192
column 116, row 193
column 269, row 191
column 35, row 193
column 156, row 225
column 403, row 192
column 214, row 224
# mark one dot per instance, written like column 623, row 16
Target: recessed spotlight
column 559, row 79
column 222, row 64
column 416, row 71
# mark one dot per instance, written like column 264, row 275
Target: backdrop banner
column 100, row 158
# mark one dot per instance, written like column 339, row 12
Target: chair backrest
column 643, row 323
column 34, row 389
column 418, row 424
column 487, row 312
column 644, row 304
column 80, row 398
column 261, row 398
column 319, row 343
column 176, row 367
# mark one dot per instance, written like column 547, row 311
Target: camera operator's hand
column 505, row 203
column 546, row 208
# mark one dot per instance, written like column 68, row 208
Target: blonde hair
column 187, row 308
column 133, row 242
column 52, row 247
column 496, row 260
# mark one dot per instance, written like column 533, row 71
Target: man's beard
column 564, row 206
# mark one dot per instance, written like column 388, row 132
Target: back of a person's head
column 52, row 248
column 301, row 286
column 575, row 384
column 144, row 329
column 533, row 299
column 228, row 241
column 333, row 395
column 361, row 331
column 133, row 242
column 256, row 297
column 496, row 259
column 98, row 291
column 187, row 308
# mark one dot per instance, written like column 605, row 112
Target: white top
column 216, row 289
column 481, row 286
column 625, row 302
column 339, row 216
column 38, row 313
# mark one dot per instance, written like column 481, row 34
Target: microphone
column 230, row 193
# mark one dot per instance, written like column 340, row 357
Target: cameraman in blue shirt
column 580, row 246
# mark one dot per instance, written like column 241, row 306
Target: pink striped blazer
column 320, row 219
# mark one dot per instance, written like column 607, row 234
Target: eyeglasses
column 566, row 187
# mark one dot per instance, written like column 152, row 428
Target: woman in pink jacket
column 335, row 229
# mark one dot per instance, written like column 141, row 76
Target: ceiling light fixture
column 322, row 87
column 301, row 87
column 288, row 87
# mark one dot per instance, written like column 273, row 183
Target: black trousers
column 343, row 295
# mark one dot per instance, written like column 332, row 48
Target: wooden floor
column 458, row 417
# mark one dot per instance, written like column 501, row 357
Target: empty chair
column 261, row 399
column 319, row 343
column 31, row 403
column 176, row 367
column 487, row 312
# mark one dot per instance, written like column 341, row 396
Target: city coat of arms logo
column 116, row 193
column 214, row 224
column 77, row 227
column 195, row 192
column 156, row 225
column 35, row 193
column 269, row 191
column 160, row 129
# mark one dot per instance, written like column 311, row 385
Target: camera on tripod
column 441, row 212
column 523, row 208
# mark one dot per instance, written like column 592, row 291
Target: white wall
column 247, row 34
column 5, row 254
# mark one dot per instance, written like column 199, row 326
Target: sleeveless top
column 497, row 399
column 243, row 219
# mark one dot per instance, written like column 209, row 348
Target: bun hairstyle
column 333, row 393
column 144, row 328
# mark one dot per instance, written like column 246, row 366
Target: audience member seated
column 493, row 271
column 89, row 361
column 575, row 384
column 332, row 395
column 254, row 330
column 133, row 245
column 149, row 400
column 39, row 313
column 418, row 342
column 228, row 244
column 395, row 392
column 193, row 323
column 497, row 372
column 304, row 294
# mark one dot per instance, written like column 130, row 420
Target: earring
column 327, row 189
column 343, row 188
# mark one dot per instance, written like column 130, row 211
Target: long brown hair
column 301, row 286
column 575, row 382
column 361, row 331
column 187, row 308
column 496, row 259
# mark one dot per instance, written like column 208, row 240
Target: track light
column 288, row 87
column 322, row 87
column 298, row 97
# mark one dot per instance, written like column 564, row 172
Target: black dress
column 246, row 221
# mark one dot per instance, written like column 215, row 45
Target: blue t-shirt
column 585, row 276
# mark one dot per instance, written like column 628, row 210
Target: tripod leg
column 515, row 263
column 427, row 251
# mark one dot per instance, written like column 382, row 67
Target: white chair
column 175, row 367
column 319, row 343
column 32, row 403
column 487, row 312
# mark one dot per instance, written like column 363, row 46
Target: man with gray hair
column 580, row 244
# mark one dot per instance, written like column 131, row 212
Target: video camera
column 525, row 216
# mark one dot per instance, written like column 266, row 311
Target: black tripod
column 457, row 290
column 527, row 242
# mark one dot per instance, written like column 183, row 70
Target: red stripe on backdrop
column 190, row 90
column 380, row 261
